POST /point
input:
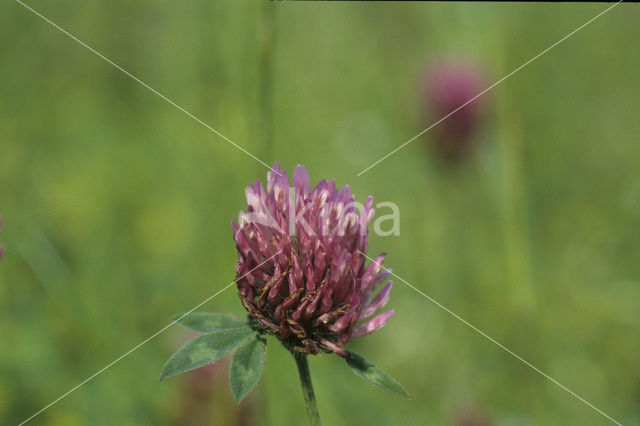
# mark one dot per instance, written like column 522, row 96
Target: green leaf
column 203, row 322
column 205, row 349
column 247, row 366
column 374, row 375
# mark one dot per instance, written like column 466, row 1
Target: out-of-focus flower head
column 315, row 293
column 449, row 84
column 473, row 417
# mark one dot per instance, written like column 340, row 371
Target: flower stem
column 266, row 46
column 307, row 388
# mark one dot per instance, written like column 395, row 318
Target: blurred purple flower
column 473, row 417
column 447, row 86
column 314, row 292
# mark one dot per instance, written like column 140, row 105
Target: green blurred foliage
column 117, row 205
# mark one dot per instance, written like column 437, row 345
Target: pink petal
column 343, row 321
column 378, row 302
column 335, row 348
column 278, row 183
column 367, row 212
column 301, row 179
column 372, row 271
column 373, row 324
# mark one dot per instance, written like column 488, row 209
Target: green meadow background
column 117, row 206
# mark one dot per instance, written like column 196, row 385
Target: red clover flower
column 317, row 288
column 301, row 276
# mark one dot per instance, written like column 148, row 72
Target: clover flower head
column 315, row 293
column 448, row 85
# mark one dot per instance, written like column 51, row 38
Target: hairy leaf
column 247, row 366
column 374, row 375
column 205, row 349
column 204, row 322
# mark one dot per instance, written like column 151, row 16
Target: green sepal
column 247, row 366
column 374, row 375
column 205, row 349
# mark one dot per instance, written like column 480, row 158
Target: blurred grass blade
column 247, row 367
column 205, row 349
column 374, row 375
column 204, row 322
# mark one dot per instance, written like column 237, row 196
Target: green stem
column 266, row 51
column 307, row 388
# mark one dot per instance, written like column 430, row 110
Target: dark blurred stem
column 265, row 51
column 307, row 388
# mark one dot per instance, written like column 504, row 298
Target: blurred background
column 520, row 214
